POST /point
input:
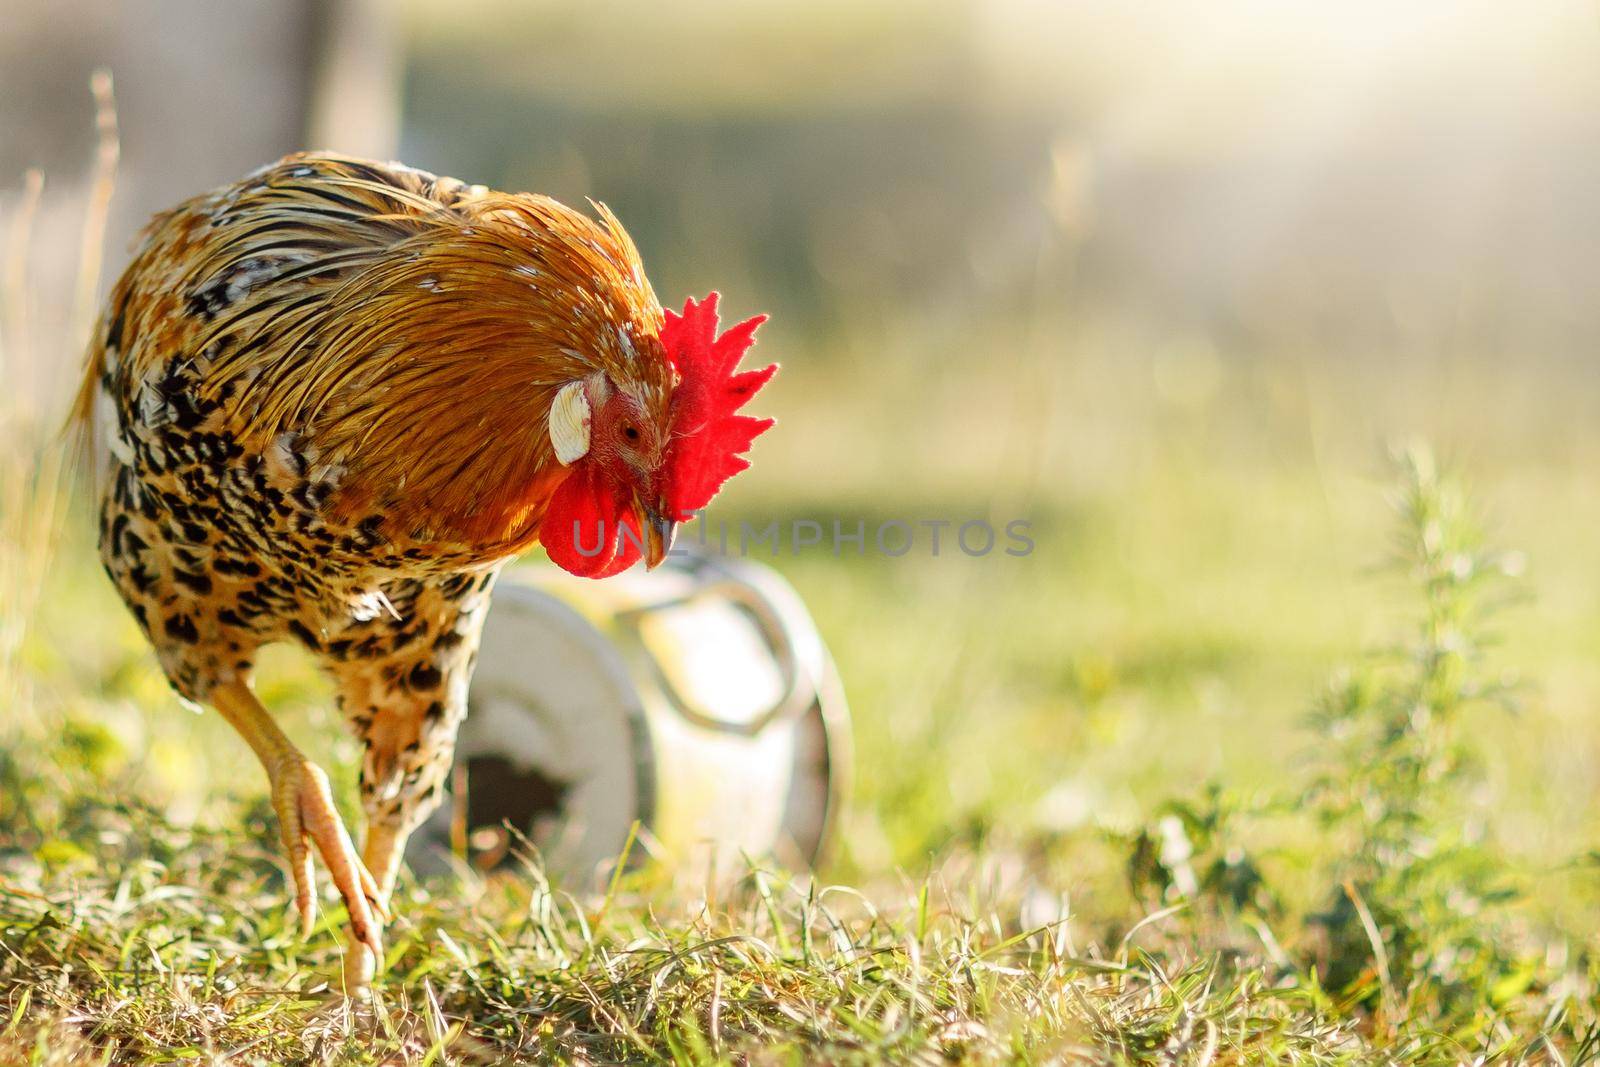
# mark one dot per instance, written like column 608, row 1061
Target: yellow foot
column 360, row 967
column 306, row 817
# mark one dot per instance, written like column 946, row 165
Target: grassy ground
column 1096, row 819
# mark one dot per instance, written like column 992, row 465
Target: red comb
column 708, row 437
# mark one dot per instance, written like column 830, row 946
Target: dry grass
column 173, row 944
column 1355, row 916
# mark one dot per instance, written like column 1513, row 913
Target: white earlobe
column 569, row 424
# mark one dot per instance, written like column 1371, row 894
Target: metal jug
column 696, row 700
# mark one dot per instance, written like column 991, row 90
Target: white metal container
column 697, row 700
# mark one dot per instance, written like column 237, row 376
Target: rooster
column 342, row 395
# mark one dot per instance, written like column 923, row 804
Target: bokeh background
column 1166, row 279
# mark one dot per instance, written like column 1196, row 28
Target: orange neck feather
column 428, row 377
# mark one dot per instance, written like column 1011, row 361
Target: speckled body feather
column 327, row 387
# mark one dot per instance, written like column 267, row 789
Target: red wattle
column 587, row 531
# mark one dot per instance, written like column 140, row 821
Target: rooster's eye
column 631, row 433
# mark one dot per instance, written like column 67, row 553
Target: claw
column 300, row 865
column 307, row 817
column 369, row 886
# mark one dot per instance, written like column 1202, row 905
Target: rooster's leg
column 406, row 705
column 382, row 851
column 385, row 846
column 307, row 817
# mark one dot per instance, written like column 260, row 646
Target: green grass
column 172, row 944
column 1041, row 882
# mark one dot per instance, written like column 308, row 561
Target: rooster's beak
column 658, row 536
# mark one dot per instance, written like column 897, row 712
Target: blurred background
column 1164, row 279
